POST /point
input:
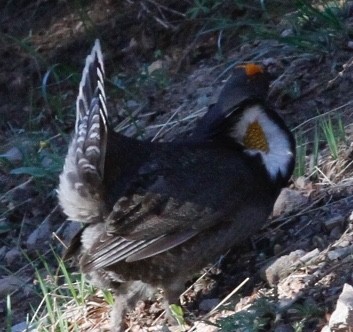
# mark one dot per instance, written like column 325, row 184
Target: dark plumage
column 155, row 213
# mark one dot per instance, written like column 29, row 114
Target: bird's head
column 242, row 116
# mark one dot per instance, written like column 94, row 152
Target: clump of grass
column 317, row 26
column 334, row 132
column 306, row 312
column 301, row 149
column 328, row 131
column 65, row 295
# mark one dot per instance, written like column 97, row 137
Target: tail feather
column 91, row 119
column 81, row 180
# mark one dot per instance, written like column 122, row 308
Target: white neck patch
column 279, row 154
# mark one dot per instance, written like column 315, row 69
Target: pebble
column 333, row 222
column 9, row 284
column 208, row 304
column 40, row 237
column 284, row 328
column 21, row 327
column 288, row 201
column 340, row 253
column 12, row 256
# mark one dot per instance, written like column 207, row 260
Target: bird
column 156, row 213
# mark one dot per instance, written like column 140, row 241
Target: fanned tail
column 81, row 180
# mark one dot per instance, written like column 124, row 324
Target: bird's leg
column 172, row 294
column 118, row 312
column 126, row 297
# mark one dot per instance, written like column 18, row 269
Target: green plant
column 334, row 133
column 316, row 26
column 306, row 312
column 327, row 130
column 255, row 318
column 178, row 314
column 64, row 296
column 301, row 149
column 202, row 7
column 41, row 159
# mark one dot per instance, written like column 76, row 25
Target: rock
column 333, row 222
column 287, row 201
column 70, row 230
column 40, row 237
column 310, row 255
column 326, row 328
column 287, row 33
column 281, row 267
column 340, row 253
column 284, row 328
column 12, row 256
column 291, row 288
column 132, row 104
column 21, row 327
column 342, row 318
column 13, row 155
column 9, row 285
column 157, row 65
column 336, row 233
column 208, row 304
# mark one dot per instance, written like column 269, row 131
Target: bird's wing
column 137, row 230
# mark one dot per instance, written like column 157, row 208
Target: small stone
column 40, row 237
column 336, row 233
column 202, row 101
column 208, row 304
column 340, row 253
column 342, row 318
column 301, row 182
column 284, row 328
column 9, row 285
column 12, row 256
column 350, row 44
column 156, row 65
column 310, row 255
column 132, row 104
column 22, row 327
column 287, row 33
column 333, row 222
column 288, row 201
column 281, row 267
column 277, row 249
column 70, row 231
column 13, row 155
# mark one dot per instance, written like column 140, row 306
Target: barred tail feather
column 81, row 180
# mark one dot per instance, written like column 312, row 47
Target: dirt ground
column 164, row 69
